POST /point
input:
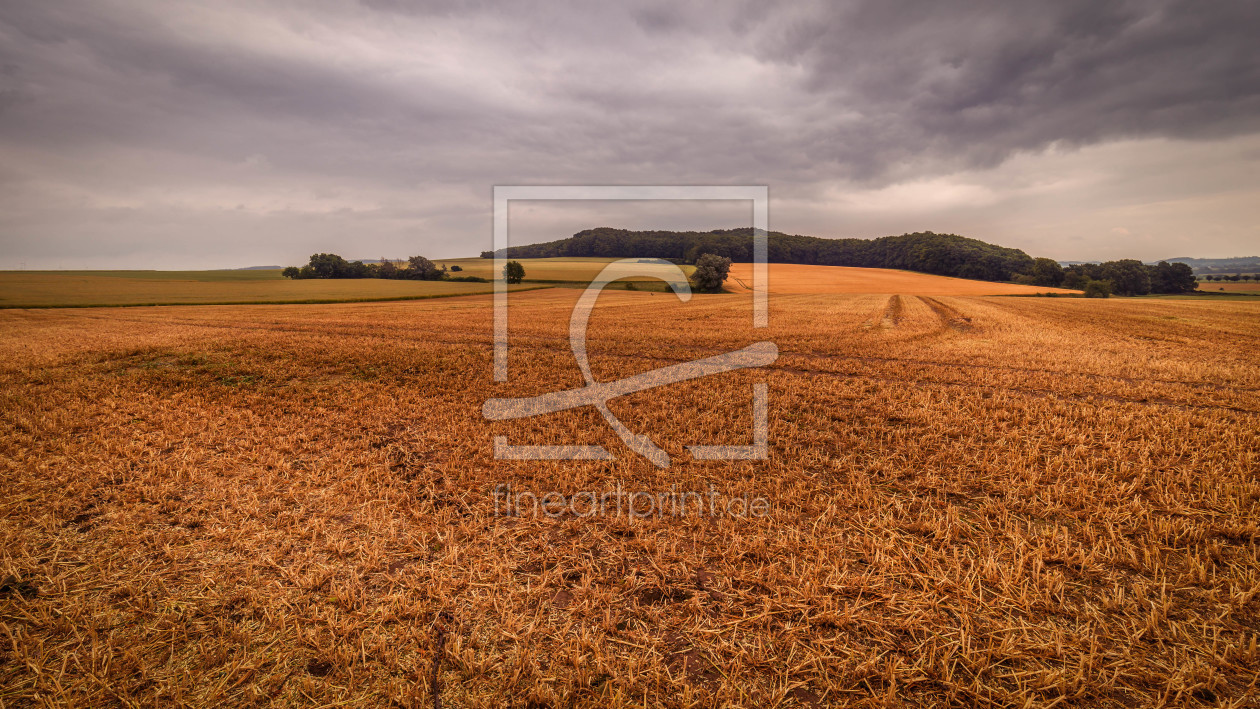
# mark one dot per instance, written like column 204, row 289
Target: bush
column 457, row 268
column 711, row 272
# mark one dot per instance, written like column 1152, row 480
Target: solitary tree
column 711, row 272
column 513, row 272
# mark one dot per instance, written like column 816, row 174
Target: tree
column 1047, row 272
column 328, row 266
column 1172, row 278
column 1127, row 276
column 1098, row 289
column 1075, row 279
column 387, row 269
column 456, row 267
column 711, row 271
column 292, row 272
column 513, row 272
column 420, row 268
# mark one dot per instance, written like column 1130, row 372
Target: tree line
column 416, row 268
column 925, row 252
column 1129, row 277
column 1234, row 277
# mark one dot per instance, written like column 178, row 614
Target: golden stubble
column 975, row 501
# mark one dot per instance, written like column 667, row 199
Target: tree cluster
column 416, row 268
column 1130, row 277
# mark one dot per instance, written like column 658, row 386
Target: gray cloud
column 143, row 130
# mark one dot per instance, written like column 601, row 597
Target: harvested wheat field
column 799, row 278
column 972, row 502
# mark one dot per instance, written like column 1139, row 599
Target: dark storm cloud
column 397, row 110
column 980, row 80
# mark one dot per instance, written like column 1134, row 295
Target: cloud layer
column 162, row 135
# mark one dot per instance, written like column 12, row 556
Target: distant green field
column 62, row 289
column 567, row 269
column 202, row 276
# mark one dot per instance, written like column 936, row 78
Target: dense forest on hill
column 926, row 252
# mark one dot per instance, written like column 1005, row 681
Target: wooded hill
column 926, row 252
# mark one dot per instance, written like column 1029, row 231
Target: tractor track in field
column 950, row 317
column 892, row 313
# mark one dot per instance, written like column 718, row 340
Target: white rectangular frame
column 759, row 195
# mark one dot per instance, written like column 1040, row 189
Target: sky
column 153, row 134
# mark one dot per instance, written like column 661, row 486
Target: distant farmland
column 1229, row 286
column 25, row 289
column 566, row 269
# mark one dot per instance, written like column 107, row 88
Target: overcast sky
column 156, row 134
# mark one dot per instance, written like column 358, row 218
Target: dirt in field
column 972, row 501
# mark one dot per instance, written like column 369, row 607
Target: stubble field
column 799, row 279
column 974, row 502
